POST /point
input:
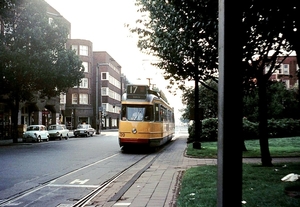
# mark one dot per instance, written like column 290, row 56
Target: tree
column 282, row 103
column 183, row 34
column 264, row 42
column 208, row 101
column 174, row 32
column 34, row 60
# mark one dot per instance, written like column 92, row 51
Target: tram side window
column 149, row 113
column 163, row 113
column 156, row 112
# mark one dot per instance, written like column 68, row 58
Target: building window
column 83, row 98
column 286, row 83
column 105, row 107
column 283, row 69
column 104, row 76
column 286, row 69
column 62, row 98
column 84, row 50
column 86, row 66
column 50, row 20
column 74, row 98
column 84, row 83
column 75, row 47
column 104, row 91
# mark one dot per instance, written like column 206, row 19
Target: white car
column 58, row 131
column 36, row 133
column 84, row 130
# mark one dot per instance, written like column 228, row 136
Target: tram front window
column 137, row 113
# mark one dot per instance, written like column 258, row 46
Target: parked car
column 36, row 133
column 84, row 130
column 59, row 131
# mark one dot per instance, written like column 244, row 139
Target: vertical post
column 229, row 184
column 102, row 109
column 97, row 99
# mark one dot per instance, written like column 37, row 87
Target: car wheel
column 47, row 140
column 60, row 137
column 67, row 136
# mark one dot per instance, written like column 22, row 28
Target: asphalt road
column 59, row 172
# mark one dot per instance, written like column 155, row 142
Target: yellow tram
column 146, row 118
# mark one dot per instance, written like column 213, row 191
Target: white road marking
column 81, row 182
column 122, row 204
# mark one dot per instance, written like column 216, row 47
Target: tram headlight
column 134, row 131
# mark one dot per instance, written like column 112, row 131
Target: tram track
column 87, row 198
column 42, row 185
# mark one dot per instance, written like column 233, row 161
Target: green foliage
column 250, row 129
column 209, row 130
column 208, row 100
column 276, row 128
column 182, row 35
column 33, row 55
column 279, row 147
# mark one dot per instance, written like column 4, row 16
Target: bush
column 276, row 128
column 209, row 130
column 250, row 129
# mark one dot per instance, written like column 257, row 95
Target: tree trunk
column 244, row 148
column 263, row 125
column 197, row 144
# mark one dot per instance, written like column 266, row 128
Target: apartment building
column 109, row 77
column 77, row 104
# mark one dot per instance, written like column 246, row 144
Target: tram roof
column 149, row 98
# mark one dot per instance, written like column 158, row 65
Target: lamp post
column 99, row 108
column 97, row 99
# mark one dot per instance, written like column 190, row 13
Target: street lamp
column 98, row 109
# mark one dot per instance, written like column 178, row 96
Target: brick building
column 77, row 104
column 108, row 72
column 287, row 72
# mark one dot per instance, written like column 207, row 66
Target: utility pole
column 97, row 99
column 229, row 183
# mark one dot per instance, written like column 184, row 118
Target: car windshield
column 82, row 126
column 33, row 128
column 54, row 127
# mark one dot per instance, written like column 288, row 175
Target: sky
column 102, row 22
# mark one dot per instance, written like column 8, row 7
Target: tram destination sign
column 137, row 91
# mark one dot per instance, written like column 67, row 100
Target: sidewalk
column 157, row 186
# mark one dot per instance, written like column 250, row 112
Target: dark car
column 84, row 130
